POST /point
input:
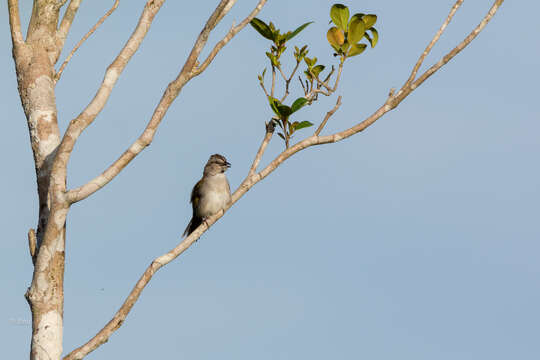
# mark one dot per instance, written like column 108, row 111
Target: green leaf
column 298, row 29
column 339, row 14
column 335, row 36
column 355, row 16
column 375, row 38
column 274, row 105
column 357, row 28
column 303, row 124
column 356, row 49
column 264, row 72
column 262, row 28
column 298, row 104
column 284, row 111
column 281, row 136
column 369, row 20
column 317, row 70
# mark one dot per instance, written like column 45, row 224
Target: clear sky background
column 417, row 239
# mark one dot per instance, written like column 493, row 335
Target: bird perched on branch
column 211, row 194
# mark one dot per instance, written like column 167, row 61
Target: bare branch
column 473, row 34
column 170, row 94
column 233, row 31
column 32, row 244
column 432, row 43
column 328, row 115
column 264, row 88
column 406, row 90
column 252, row 178
column 288, row 81
column 65, row 24
column 269, row 132
column 273, row 81
column 15, row 23
column 83, row 120
column 114, row 324
column 86, row 36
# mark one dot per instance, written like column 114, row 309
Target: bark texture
column 35, row 58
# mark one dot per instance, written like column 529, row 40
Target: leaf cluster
column 283, row 112
column 347, row 33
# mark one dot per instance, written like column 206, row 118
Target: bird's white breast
column 215, row 194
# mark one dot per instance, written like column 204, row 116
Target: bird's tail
column 193, row 224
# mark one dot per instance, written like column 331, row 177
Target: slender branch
column 273, row 81
column 85, row 37
column 303, row 87
column 233, row 31
column 170, row 94
column 269, row 132
column 432, row 42
column 264, row 88
column 65, row 24
column 288, row 81
column 328, row 115
column 404, row 91
column 15, row 23
column 473, row 34
column 88, row 115
column 251, row 179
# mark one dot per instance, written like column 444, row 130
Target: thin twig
column 269, row 132
column 264, row 88
column 303, row 87
column 273, row 81
column 233, row 31
column 171, row 92
column 248, row 183
column 432, row 42
column 328, row 115
column 65, row 25
column 86, row 36
column 288, row 81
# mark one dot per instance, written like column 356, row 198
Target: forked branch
column 65, row 24
column 170, row 94
column 254, row 177
column 84, row 38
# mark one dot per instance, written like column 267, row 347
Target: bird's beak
column 227, row 164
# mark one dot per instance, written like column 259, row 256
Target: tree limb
column 173, row 89
column 65, row 24
column 432, row 42
column 233, row 31
column 251, row 179
column 15, row 23
column 84, row 38
column 328, row 115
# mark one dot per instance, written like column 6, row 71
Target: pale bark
column 35, row 58
column 254, row 177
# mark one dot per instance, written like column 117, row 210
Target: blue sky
column 417, row 239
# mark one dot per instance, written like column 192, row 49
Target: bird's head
column 217, row 164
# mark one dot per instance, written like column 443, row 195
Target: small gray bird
column 211, row 194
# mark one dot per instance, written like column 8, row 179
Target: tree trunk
column 34, row 62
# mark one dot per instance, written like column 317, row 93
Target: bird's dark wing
column 196, row 194
column 195, row 198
